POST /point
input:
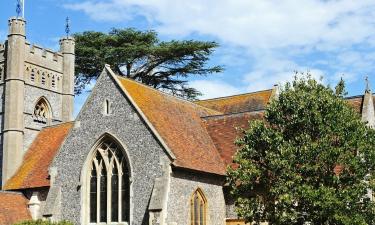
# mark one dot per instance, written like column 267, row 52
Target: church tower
column 36, row 89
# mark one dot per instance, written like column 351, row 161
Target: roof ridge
column 230, row 96
column 170, row 95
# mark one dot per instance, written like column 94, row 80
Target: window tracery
column 109, row 185
column 198, row 208
column 42, row 112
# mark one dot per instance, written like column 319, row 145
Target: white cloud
column 270, row 71
column 255, row 24
column 214, row 88
column 333, row 38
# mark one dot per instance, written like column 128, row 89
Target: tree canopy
column 141, row 56
column 310, row 161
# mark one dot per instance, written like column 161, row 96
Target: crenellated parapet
column 29, row 75
column 44, row 57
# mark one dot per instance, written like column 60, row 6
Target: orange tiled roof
column 179, row 124
column 223, row 131
column 238, row 103
column 34, row 169
column 356, row 103
column 13, row 208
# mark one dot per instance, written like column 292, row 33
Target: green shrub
column 43, row 222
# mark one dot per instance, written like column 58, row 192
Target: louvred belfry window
column 198, row 208
column 109, row 185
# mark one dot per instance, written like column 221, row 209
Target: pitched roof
column 179, row 124
column 33, row 171
column 224, row 130
column 13, row 208
column 357, row 102
column 238, row 103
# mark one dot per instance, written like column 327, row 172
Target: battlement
column 46, row 53
column 2, row 46
column 44, row 57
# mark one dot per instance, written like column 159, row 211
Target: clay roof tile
column 34, row 169
column 179, row 124
column 13, row 208
column 238, row 103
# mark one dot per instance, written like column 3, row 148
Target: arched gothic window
column 198, row 208
column 109, row 187
column 42, row 112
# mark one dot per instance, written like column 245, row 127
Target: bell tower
column 36, row 89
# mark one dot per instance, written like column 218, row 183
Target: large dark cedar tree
column 311, row 161
column 143, row 57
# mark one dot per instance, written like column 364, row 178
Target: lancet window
column 53, row 83
column 43, row 79
column 109, row 185
column 198, row 208
column 32, row 75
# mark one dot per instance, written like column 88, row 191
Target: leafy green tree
column 310, row 161
column 43, row 222
column 143, row 57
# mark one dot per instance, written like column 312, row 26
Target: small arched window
column 32, row 75
column 109, row 186
column 43, row 79
column 42, row 112
column 53, row 82
column 198, row 209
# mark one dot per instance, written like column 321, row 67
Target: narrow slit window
column 107, row 107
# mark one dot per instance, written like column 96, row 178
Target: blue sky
column 262, row 42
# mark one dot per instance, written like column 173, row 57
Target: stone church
column 133, row 155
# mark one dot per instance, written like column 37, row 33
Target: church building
column 133, row 155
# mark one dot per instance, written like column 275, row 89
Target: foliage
column 141, row 56
column 311, row 161
column 43, row 222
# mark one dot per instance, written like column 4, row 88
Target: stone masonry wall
column 33, row 94
column 144, row 152
column 182, row 187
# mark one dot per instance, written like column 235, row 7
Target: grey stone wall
column 144, row 152
column 1, row 128
column 183, row 185
column 32, row 95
